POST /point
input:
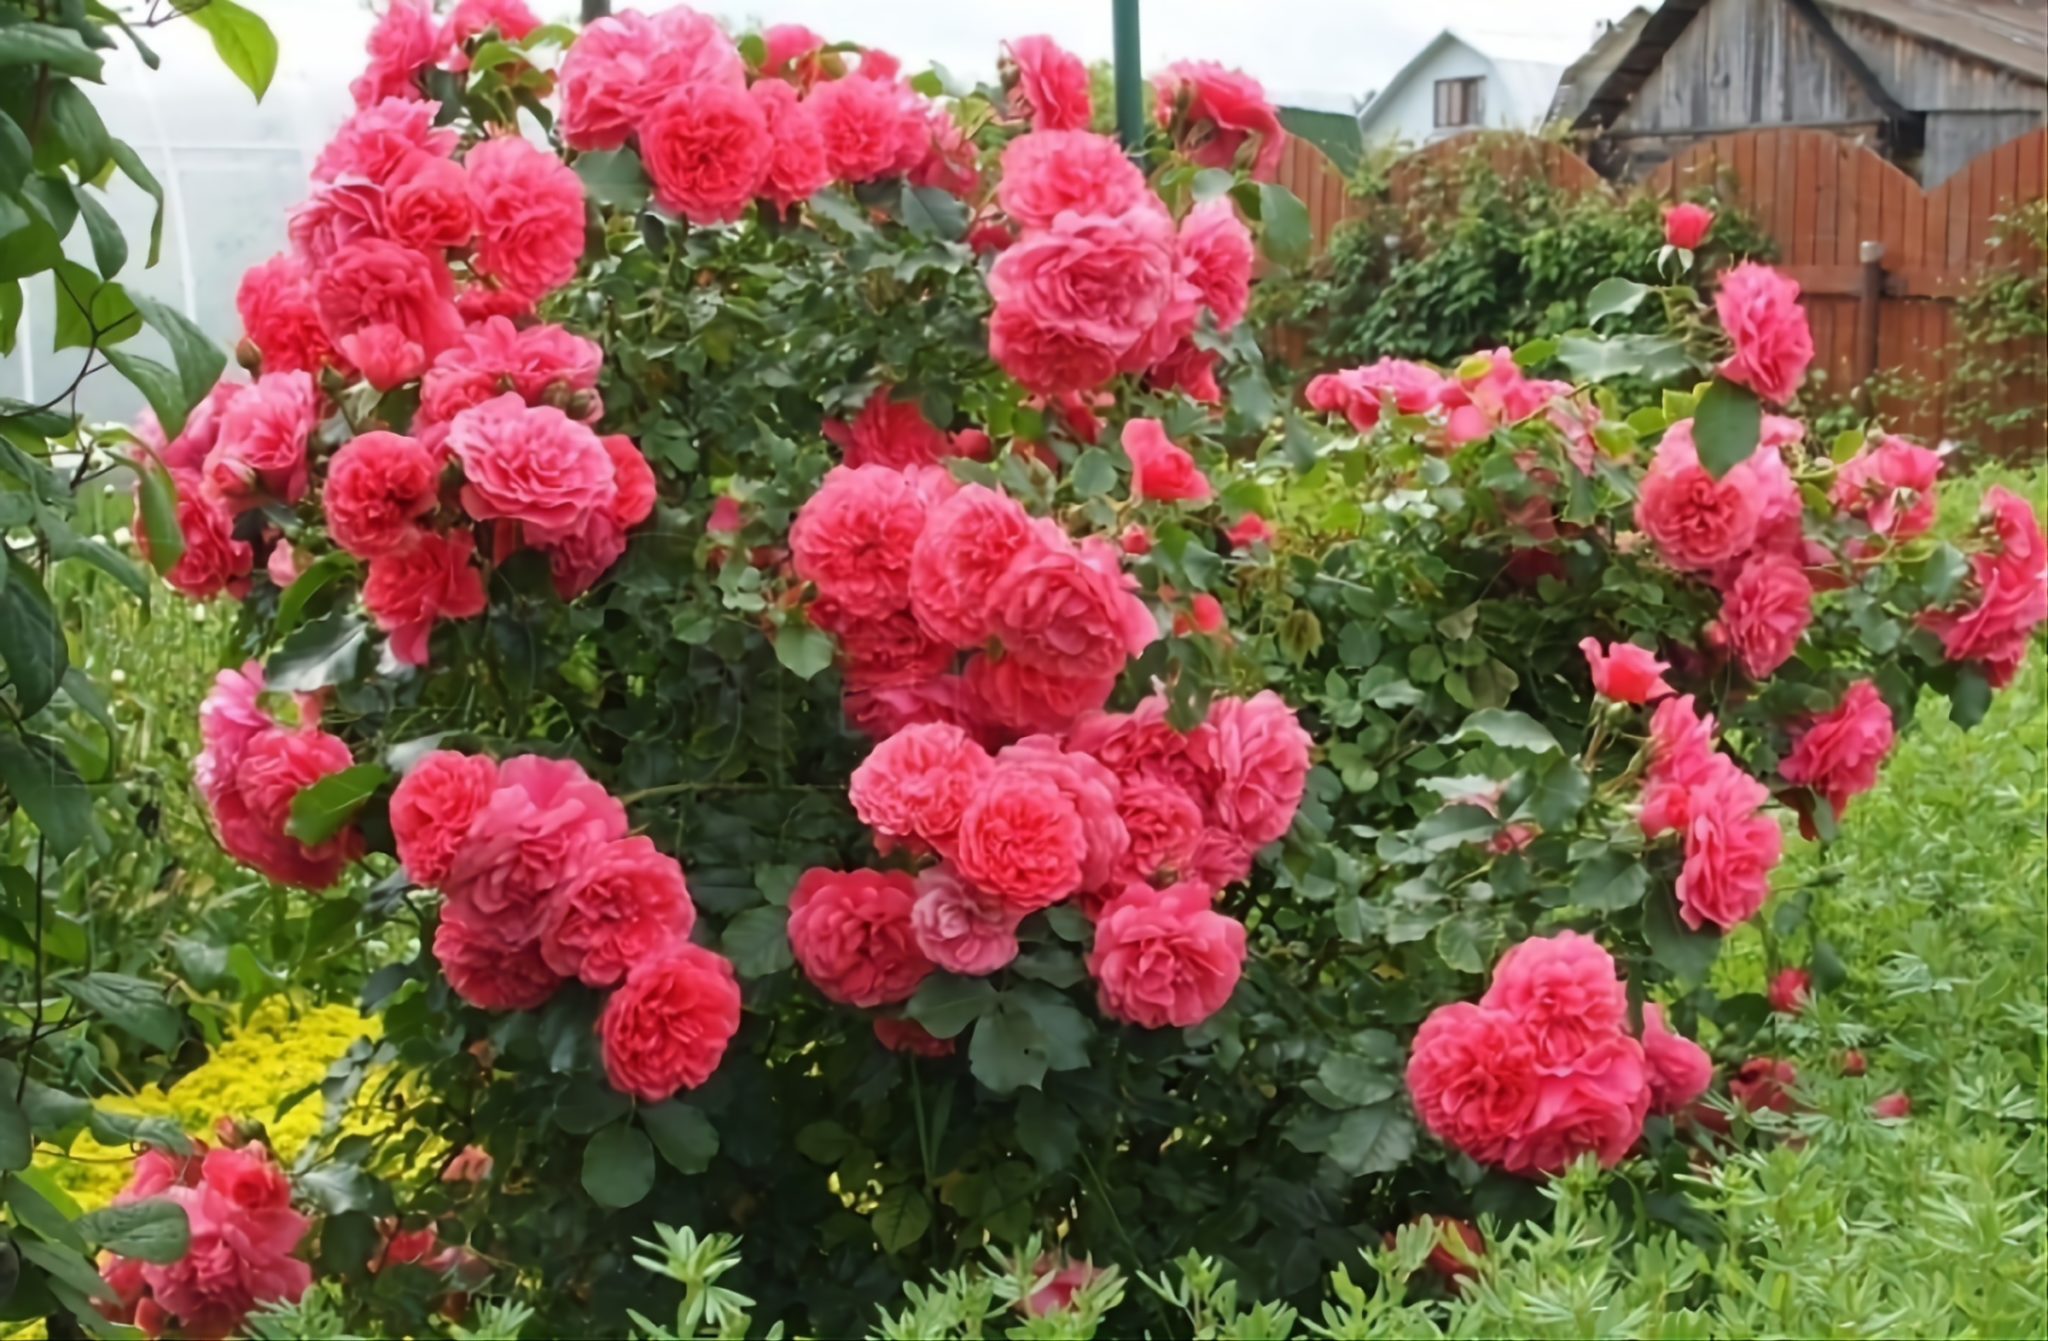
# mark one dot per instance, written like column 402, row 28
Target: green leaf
column 1616, row 297
column 614, row 178
column 322, row 810
column 130, row 1004
column 67, row 1267
column 61, row 49
column 244, row 42
column 79, row 129
column 1508, row 729
column 1727, row 426
column 1561, row 790
column 1372, row 1140
column 757, row 942
column 159, row 498
column 1357, row 1081
column 131, row 164
column 48, row 789
column 32, row 647
column 17, row 1142
column 683, row 1135
column 1610, row 882
column 1284, row 227
column 1048, row 1131
column 618, row 1166
column 1457, row 944
column 1008, row 1052
column 12, row 304
column 901, row 1218
column 587, row 1107
column 1656, row 358
column 804, row 650
column 1970, row 699
column 317, row 577
column 324, row 652
column 1688, row 954
column 1094, row 473
column 151, row 1230
column 929, row 212
column 90, row 311
column 945, row 1004
column 160, row 386
column 199, row 360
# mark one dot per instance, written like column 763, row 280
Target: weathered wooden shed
column 1930, row 84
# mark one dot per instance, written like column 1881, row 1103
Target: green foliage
column 2002, row 333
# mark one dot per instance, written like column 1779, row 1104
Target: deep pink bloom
column 1022, row 839
column 910, row 1037
column 260, row 453
column 1765, row 614
column 1049, row 86
column 668, row 1028
column 1679, row 1069
column 1259, row 756
column 1023, row 699
column 376, row 283
column 1164, row 958
column 1791, row 990
column 1698, row 522
column 1895, row 1107
column 1161, row 469
column 1100, row 278
column 707, row 150
column 544, row 365
column 1890, row 486
column 1070, row 610
column 275, row 302
column 797, row 169
column 1730, row 849
column 214, row 561
column 409, row 590
column 384, row 356
column 372, row 143
column 432, row 808
column 1763, row 1082
column 529, row 216
column 852, row 935
column 1066, row 1279
column 870, row 127
column 1686, row 225
column 1052, row 172
column 1220, row 117
column 490, row 965
column 1625, row 672
column 622, row 67
column 1565, row 991
column 964, row 547
column 917, row 783
column 888, row 432
column 531, row 464
column 1473, row 1078
column 1216, row 257
column 1598, row 1108
column 625, row 904
column 1759, row 308
column 401, row 46
column 1838, row 752
column 853, row 539
column 2011, row 588
column 379, row 486
column 538, row 827
column 470, row 19
column 427, row 203
column 1164, row 824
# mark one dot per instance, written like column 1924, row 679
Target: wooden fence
column 1881, row 262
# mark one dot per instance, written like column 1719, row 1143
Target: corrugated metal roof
column 2008, row 33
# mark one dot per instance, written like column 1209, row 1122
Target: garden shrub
column 892, row 738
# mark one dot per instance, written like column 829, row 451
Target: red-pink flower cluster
column 1466, row 408
column 2008, row 591
column 250, row 769
column 405, row 44
column 237, row 1204
column 1220, row 117
column 1731, row 846
column 541, row 883
column 1543, row 1069
column 895, row 433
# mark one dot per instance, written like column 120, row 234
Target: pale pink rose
column 1765, row 614
column 529, row 216
column 214, row 561
column 1565, row 991
column 1052, row 172
column 1759, row 309
column 1216, row 257
column 1161, row 469
column 1022, row 839
column 1697, row 522
column 961, row 929
column 623, row 66
column 1020, row 698
column 384, row 356
column 1837, row 753
column 625, row 904
column 260, row 453
column 1686, row 225
column 1219, row 117
column 282, row 564
column 888, row 432
column 868, row 127
column 432, row 808
column 540, row 825
column 1472, row 1075
column 275, row 302
column 1678, row 1069
column 1048, row 84
column 1098, row 278
column 531, row 464
column 1070, row 610
column 401, row 45
column 230, row 716
column 373, row 283
column 1045, row 359
column 372, row 143
column 379, row 487
column 1259, row 755
column 852, row 935
column 1890, row 486
column 1165, row 828
column 1597, row 1107
column 853, row 538
column 1625, row 672
column 797, row 169
column 409, row 590
column 1164, row 958
column 668, row 1028
column 917, row 783
column 1730, row 850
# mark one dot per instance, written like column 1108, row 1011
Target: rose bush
column 893, row 737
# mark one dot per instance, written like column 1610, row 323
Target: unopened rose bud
column 249, row 357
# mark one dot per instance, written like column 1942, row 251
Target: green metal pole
column 1130, row 84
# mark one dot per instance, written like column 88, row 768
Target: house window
column 1457, row 103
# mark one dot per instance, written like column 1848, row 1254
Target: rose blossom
column 1566, row 993
column 471, row 19
column 1598, row 1107
column 1164, row 824
column 379, row 485
column 1216, row 112
column 275, row 302
column 1837, row 753
column 213, row 561
column 852, row 935
column 2012, row 592
column 1260, row 755
column 1161, row 468
column 917, row 783
column 854, row 537
column 888, row 432
column 538, row 827
column 1890, row 486
column 1472, row 1075
column 372, row 143
column 1762, row 1082
column 278, row 764
column 632, row 481
column 335, row 215
column 1094, row 792
column 486, row 969
column 1625, row 672
column 1018, row 697
column 432, row 807
column 707, row 151
column 1099, row 278
column 1697, row 522
column 668, row 1028
column 1677, row 1068
column 796, row 162
column 880, row 713
column 230, row 716
column 400, row 46
column 410, row 589
column 622, row 66
column 543, row 364
column 1048, row 84
column 383, row 355
column 1164, row 958
column 427, row 203
column 529, row 216
column 1730, row 849
column 1216, row 256
column 578, row 558
column 624, row 904
column 1759, row 308
column 1765, row 614
column 530, row 464
column 1790, row 991
column 1686, row 225
column 1045, row 359
column 881, row 652
column 371, row 282
column 1022, row 838
column 794, row 51
column 867, row 128
column 961, row 929
column 261, row 451
column 910, row 1037
column 1051, row 172
column 1070, row 610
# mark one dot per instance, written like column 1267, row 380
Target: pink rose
column 1597, row 1107
column 1565, row 991
column 186, row 453
column 668, row 1028
column 797, row 169
column 1686, row 225
column 529, row 216
column 2011, row 588
column 384, row 356
column 1216, row 257
column 411, row 589
column 853, row 538
column 624, row 905
column 230, row 716
column 539, row 826
column 1790, row 991
column 1092, row 790
column 1022, row 839
column 621, row 68
column 1259, row 755
column 1021, row 698
column 1048, row 84
column 726, row 519
column 1472, row 1075
column 632, row 481
column 1759, row 308
column 372, row 283
column 1046, row 359
column 1763, row 1082
column 1164, row 958
column 1894, row 1107
column 1165, row 828
column 917, row 783
column 543, row 364
column 531, row 464
column 251, row 804
column 471, row 19
column 1188, row 370
column 379, row 486
column 401, row 45
column 485, row 969
column 432, row 808
column 1625, row 672
column 1890, row 486
column 372, row 143
column 275, row 301
column 579, row 558
column 963, row 549
column 261, row 451
column 852, row 935
column 959, row 928
column 1730, row 850
column 1052, row 172
column 1070, row 610
column 1204, row 615
column 881, row 712
column 1765, row 614
column 1217, row 114
column 888, row 432
column 1697, row 522
column 881, row 652
column 910, row 1037
column 1160, row 468
column 427, row 202
column 1677, row 1068
column 213, row 561
column 1248, row 530
column 1837, row 753
column 335, row 215
column 278, row 764
column 868, row 128
column 1098, row 278
column 1063, row 1281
